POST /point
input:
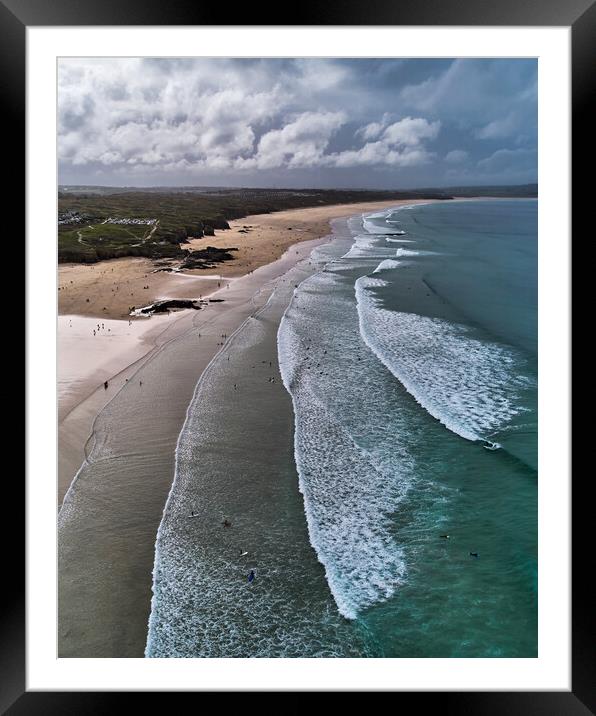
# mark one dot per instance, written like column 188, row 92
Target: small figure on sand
column 105, row 385
column 251, row 576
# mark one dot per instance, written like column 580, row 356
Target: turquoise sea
column 406, row 523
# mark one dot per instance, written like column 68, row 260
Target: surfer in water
column 251, row 576
column 474, row 554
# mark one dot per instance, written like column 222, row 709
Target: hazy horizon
column 291, row 188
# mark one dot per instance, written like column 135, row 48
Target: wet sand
column 110, row 515
column 236, row 463
column 86, row 361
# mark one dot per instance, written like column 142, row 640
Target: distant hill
column 513, row 191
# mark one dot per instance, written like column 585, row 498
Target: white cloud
column 213, row 117
column 136, row 112
column 399, row 145
column 410, row 132
column 370, row 131
column 373, row 129
column 300, row 143
column 201, row 115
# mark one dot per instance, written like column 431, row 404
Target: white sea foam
column 353, row 471
column 410, row 252
column 366, row 246
column 465, row 383
column 399, row 241
column 387, row 264
column 373, row 227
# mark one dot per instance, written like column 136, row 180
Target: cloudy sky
column 390, row 123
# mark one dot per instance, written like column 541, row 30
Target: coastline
column 109, row 520
column 111, row 512
column 118, row 284
column 183, row 436
column 89, row 360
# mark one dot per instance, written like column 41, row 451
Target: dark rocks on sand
column 164, row 306
column 207, row 257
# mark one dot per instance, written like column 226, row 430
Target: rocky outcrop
column 206, row 258
column 168, row 305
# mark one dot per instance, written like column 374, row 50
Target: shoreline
column 81, row 395
column 111, row 513
column 109, row 519
column 208, row 612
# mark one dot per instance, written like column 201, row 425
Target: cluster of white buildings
column 149, row 222
column 70, row 217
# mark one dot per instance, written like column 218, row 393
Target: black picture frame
column 580, row 15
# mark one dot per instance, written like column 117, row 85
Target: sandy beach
column 126, row 435
column 109, row 289
column 89, row 354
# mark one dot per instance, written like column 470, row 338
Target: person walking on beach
column 105, row 385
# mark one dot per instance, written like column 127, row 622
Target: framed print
column 298, row 383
